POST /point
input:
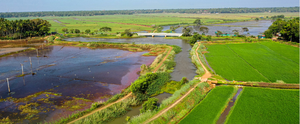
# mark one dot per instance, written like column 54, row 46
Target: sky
column 77, row 5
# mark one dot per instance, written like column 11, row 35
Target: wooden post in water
column 8, row 85
column 37, row 52
column 22, row 69
column 30, row 64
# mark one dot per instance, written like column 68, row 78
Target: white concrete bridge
column 160, row 34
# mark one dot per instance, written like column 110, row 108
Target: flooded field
column 64, row 79
column 255, row 27
column 185, row 69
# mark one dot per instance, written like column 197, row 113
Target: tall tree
column 72, row 31
column 186, row 31
column 65, row 30
column 197, row 22
column 290, row 31
column 204, row 29
column 105, row 29
column 87, row 31
column 77, row 31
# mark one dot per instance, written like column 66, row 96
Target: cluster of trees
column 128, row 12
column 23, row 28
column 87, row 31
column 141, row 85
column 278, row 16
column 289, row 30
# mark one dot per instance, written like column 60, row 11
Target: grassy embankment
column 211, row 107
column 261, row 61
column 175, row 114
column 265, row 105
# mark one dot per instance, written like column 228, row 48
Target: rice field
column 265, row 61
column 265, row 106
column 210, row 108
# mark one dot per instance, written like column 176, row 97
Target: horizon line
column 145, row 9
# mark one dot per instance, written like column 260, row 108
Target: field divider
column 248, row 63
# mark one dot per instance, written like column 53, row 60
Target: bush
column 176, row 49
column 170, row 64
column 142, row 83
column 150, row 104
column 208, row 38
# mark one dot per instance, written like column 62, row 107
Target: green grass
column 209, row 110
column 141, row 22
column 265, row 61
column 231, row 67
column 265, row 106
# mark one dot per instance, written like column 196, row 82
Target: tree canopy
column 204, row 29
column 23, row 28
column 186, row 31
column 197, row 22
column 289, row 30
column 105, row 29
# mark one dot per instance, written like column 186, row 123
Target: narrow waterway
column 136, row 110
column 255, row 27
column 228, row 108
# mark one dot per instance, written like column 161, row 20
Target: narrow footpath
column 203, row 79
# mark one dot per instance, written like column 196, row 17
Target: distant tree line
column 129, row 12
column 288, row 30
column 23, row 28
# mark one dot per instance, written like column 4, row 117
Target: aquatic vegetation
column 149, row 105
column 75, row 104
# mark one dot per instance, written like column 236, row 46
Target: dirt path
column 125, row 97
column 99, row 109
column 10, row 50
column 203, row 79
column 163, row 60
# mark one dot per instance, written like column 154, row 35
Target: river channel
column 255, row 27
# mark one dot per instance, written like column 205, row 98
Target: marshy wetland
column 91, row 78
column 67, row 73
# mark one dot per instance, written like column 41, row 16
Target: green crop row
column 209, row 110
column 265, row 106
column 231, row 67
column 264, row 61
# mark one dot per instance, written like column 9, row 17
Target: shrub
column 142, row 83
column 150, row 104
column 208, row 38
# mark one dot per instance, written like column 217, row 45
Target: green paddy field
column 263, row 61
